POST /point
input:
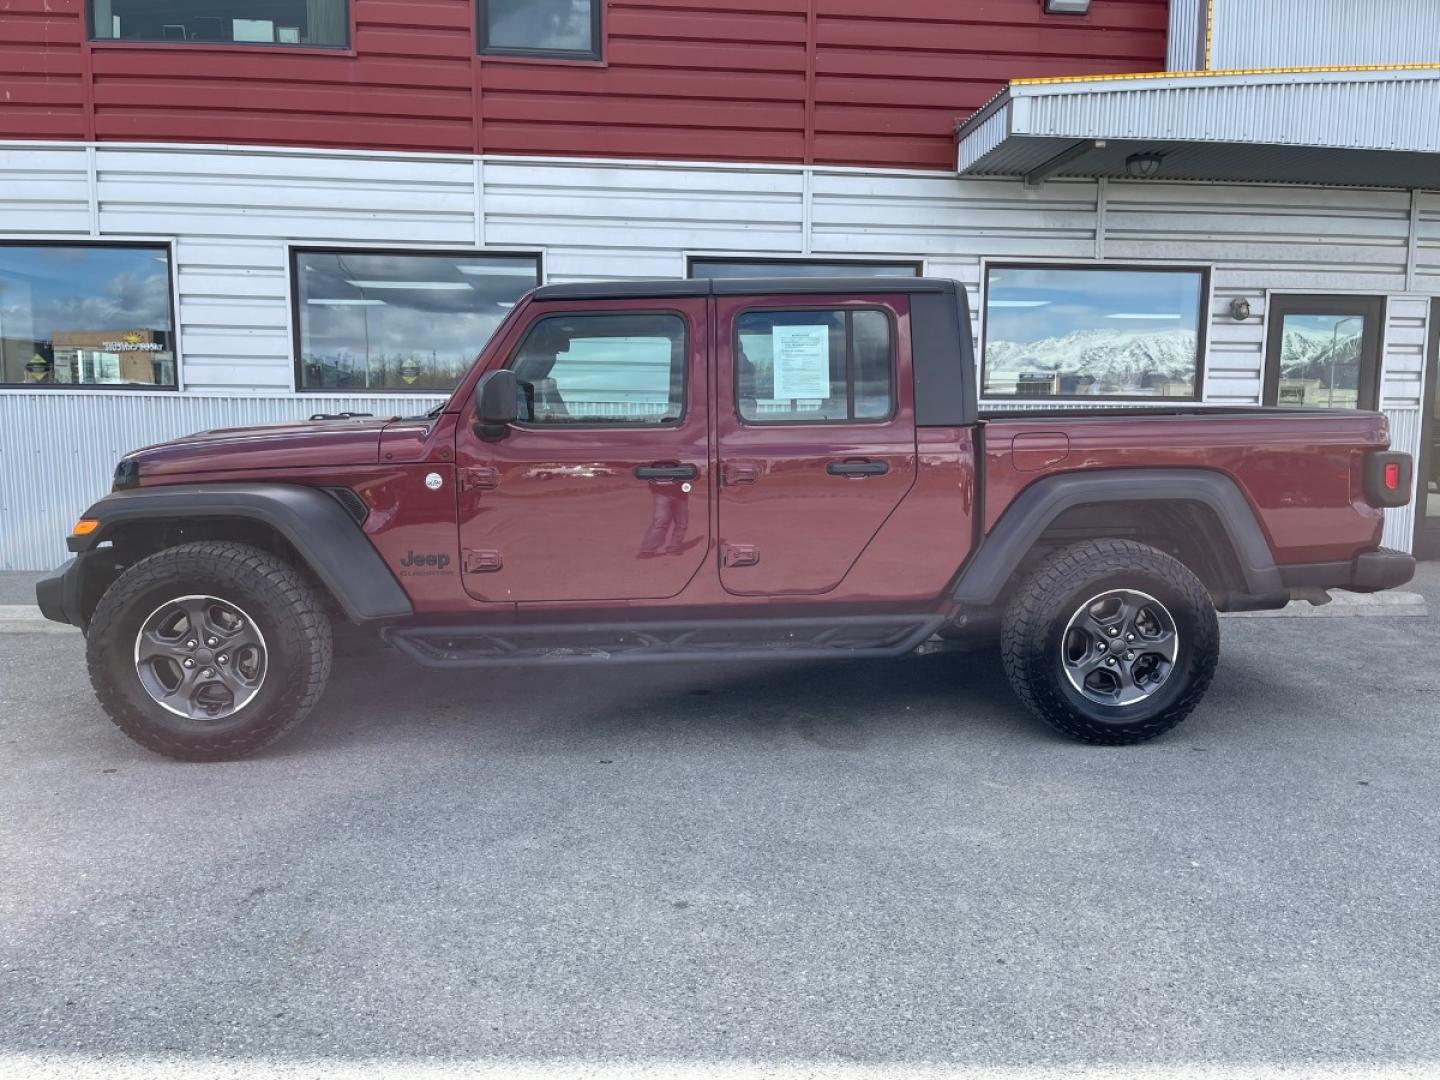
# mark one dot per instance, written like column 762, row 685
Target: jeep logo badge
column 421, row 558
column 433, row 481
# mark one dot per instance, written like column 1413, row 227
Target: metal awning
column 1356, row 127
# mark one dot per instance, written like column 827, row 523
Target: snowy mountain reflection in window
column 1320, row 360
column 1095, row 331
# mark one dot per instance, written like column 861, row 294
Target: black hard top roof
column 661, row 288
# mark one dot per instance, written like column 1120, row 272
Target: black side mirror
column 495, row 407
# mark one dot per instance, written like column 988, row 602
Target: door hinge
column 482, row 562
column 739, row 554
column 481, row 478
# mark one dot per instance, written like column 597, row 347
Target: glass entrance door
column 1324, row 351
column 1427, row 490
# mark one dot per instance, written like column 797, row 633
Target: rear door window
column 814, row 366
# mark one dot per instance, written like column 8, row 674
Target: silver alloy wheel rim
column 1119, row 647
column 200, row 657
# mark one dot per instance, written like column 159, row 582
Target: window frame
column 640, row 425
column 346, row 49
column 1426, row 542
column 890, row 321
column 594, row 54
column 297, row 366
column 168, row 244
column 918, row 265
column 1202, row 333
column 1372, row 345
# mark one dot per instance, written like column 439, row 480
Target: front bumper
column 60, row 593
column 1371, row 571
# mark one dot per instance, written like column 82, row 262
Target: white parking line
column 26, row 619
column 67, row 1067
column 1347, row 604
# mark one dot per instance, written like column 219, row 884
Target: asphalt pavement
column 850, row 870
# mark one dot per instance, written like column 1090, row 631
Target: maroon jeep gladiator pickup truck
column 729, row 470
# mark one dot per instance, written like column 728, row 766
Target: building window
column 1094, row 332
column 832, row 366
column 387, row 320
column 1324, row 351
column 324, row 23
column 566, row 29
column 86, row 315
column 603, row 369
column 701, row 267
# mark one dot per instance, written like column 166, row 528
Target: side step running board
column 608, row 643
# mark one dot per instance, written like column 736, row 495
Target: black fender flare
column 1024, row 520
column 310, row 519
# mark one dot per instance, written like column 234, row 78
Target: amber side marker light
column 84, row 527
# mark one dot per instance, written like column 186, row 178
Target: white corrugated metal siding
column 1185, row 42
column 234, row 213
column 634, row 220
column 231, row 214
column 1322, row 33
column 1360, row 110
column 58, row 450
column 44, row 190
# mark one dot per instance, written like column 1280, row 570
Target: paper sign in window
column 801, row 356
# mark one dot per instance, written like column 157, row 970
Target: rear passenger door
column 816, row 435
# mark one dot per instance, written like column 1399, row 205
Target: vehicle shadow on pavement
column 835, row 705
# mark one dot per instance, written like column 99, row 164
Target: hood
column 266, row 446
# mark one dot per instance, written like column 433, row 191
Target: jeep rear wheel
column 208, row 651
column 1110, row 641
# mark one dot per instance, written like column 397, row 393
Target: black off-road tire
column 282, row 604
column 1037, row 614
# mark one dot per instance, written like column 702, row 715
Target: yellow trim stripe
column 1136, row 75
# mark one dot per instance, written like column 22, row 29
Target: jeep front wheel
column 208, row 651
column 1110, row 641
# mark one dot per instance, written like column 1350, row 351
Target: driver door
column 600, row 490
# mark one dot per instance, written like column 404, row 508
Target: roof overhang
column 1354, row 127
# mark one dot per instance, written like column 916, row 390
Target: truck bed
column 1300, row 469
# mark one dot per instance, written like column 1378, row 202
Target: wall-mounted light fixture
column 1067, row 7
column 1144, row 166
column 1239, row 309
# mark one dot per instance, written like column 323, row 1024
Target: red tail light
column 1387, row 478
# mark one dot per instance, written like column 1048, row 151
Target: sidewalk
column 19, row 615
column 18, row 587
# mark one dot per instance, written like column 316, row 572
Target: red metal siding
column 893, row 76
column 42, row 81
column 405, row 87
column 829, row 81
column 682, row 79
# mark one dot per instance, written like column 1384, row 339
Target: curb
column 1405, row 605
column 26, row 619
